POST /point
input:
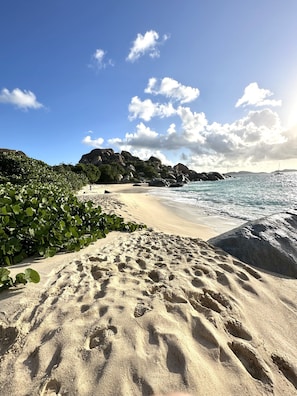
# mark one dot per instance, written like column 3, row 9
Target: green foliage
column 19, row 169
column 111, row 173
column 92, row 172
column 6, row 281
column 39, row 215
column 43, row 220
column 149, row 171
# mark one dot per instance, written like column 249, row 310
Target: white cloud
column 172, row 129
column 146, row 44
column 146, row 138
column 146, row 109
column 256, row 137
column 99, row 60
column 172, row 89
column 143, row 137
column 255, row 96
column 21, row 99
column 145, row 154
column 97, row 143
column 192, row 124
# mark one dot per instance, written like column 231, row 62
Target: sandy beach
column 154, row 312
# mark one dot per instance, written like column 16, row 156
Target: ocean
column 242, row 197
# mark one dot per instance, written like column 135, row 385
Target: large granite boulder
column 269, row 243
column 102, row 156
column 212, row 176
column 158, row 183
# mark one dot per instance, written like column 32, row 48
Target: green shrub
column 21, row 170
column 44, row 219
column 39, row 214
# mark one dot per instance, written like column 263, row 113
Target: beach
column 153, row 312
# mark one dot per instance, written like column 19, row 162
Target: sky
column 211, row 84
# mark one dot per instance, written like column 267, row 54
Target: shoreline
column 141, row 205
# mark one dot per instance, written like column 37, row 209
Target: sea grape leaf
column 31, row 275
column 4, row 274
column 16, row 209
column 29, row 211
column 20, row 278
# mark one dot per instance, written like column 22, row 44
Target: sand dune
column 150, row 313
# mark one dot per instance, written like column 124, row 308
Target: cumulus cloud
column 255, row 96
column 172, row 89
column 22, row 99
column 193, row 124
column 99, row 60
column 146, row 44
column 97, row 143
column 255, row 137
column 146, row 109
column 143, row 137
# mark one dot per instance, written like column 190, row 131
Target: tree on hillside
column 90, row 170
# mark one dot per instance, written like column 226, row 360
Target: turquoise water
column 245, row 197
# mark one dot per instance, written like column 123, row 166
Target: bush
column 21, row 170
column 39, row 214
column 43, row 220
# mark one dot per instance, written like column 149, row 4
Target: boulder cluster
column 132, row 169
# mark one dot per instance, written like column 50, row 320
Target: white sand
column 147, row 313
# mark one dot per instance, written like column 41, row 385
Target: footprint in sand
column 102, row 292
column 52, row 387
column 96, row 273
column 197, row 282
column 141, row 309
column 101, row 339
column 214, row 301
column 250, row 361
column 241, row 275
column 286, row 368
column 236, row 329
column 141, row 263
column 252, row 272
column 226, row 267
column 223, row 279
column 143, row 386
column 8, row 337
column 155, row 276
column 203, row 333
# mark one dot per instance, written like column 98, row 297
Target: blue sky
column 211, row 84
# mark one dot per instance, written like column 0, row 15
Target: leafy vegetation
column 111, row 173
column 86, row 171
column 6, row 281
column 39, row 215
column 19, row 169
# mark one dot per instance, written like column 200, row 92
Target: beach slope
column 149, row 313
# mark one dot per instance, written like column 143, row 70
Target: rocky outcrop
column 269, row 243
column 102, row 156
column 132, row 169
